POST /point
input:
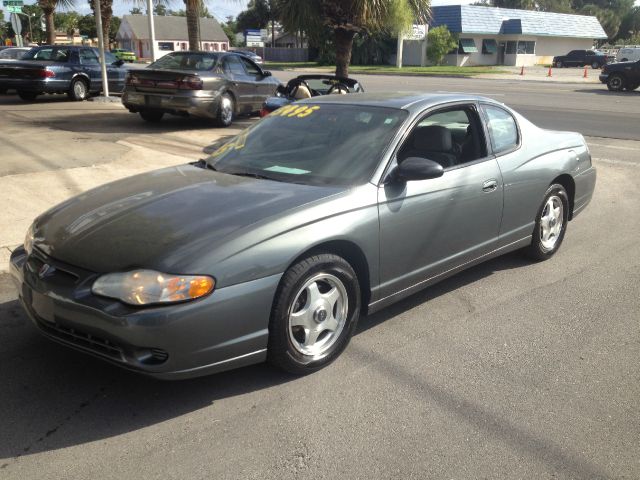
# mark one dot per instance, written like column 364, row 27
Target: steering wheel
column 338, row 88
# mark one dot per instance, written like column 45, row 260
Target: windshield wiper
column 254, row 175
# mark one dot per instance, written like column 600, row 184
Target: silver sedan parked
column 273, row 247
column 203, row 84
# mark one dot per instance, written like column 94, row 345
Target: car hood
column 155, row 220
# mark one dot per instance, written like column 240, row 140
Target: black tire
column 595, row 65
column 538, row 250
column 226, row 111
column 78, row 90
column 282, row 352
column 630, row 88
column 616, row 82
column 151, row 116
column 27, row 96
column 558, row 64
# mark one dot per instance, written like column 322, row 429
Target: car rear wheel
column 630, row 88
column 78, row 90
column 27, row 96
column 314, row 314
column 595, row 65
column 615, row 83
column 226, row 109
column 151, row 116
column 551, row 224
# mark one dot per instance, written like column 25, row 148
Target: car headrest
column 302, row 92
column 433, row 138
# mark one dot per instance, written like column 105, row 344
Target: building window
column 467, row 45
column 224, row 47
column 183, row 46
column 511, row 48
column 215, row 47
column 526, row 47
column 489, row 46
column 165, row 46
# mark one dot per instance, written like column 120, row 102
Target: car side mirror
column 266, row 73
column 417, row 168
column 118, row 63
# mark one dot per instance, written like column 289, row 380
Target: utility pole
column 152, row 30
column 103, row 65
column 399, row 54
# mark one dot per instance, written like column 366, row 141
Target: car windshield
column 186, row 61
column 316, row 144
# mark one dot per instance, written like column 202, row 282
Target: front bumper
column 196, row 103
column 603, row 77
column 224, row 330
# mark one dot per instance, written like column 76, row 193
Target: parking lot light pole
column 103, row 64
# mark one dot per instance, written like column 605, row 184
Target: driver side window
column 450, row 137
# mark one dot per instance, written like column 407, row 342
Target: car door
column 90, row 65
column 242, row 84
column 429, row 227
column 116, row 72
column 263, row 87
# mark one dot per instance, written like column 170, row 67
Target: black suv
column 581, row 58
column 621, row 76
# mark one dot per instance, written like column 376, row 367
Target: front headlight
column 147, row 287
column 28, row 240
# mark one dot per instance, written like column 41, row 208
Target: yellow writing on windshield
column 295, row 111
column 237, row 143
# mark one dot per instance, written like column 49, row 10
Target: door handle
column 490, row 186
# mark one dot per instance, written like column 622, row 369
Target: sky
column 220, row 8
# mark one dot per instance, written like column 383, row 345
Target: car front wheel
column 314, row 315
column 551, row 224
column 595, row 65
column 615, row 83
column 558, row 64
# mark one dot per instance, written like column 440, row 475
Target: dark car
column 307, row 86
column 273, row 247
column 581, row 58
column 215, row 85
column 621, row 76
column 73, row 70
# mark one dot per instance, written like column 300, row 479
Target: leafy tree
column 346, row 18
column 256, row 15
column 630, row 25
column 230, row 29
column 67, row 21
column 609, row 19
column 87, row 26
column 106, row 12
column 48, row 8
column 440, row 41
column 136, row 11
column 160, row 10
column 34, row 12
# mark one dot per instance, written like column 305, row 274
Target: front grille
column 82, row 339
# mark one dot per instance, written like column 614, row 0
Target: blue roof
column 495, row 21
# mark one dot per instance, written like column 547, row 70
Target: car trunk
column 162, row 81
column 24, row 69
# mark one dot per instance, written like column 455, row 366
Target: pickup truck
column 581, row 58
column 621, row 76
column 74, row 70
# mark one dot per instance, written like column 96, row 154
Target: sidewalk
column 538, row 73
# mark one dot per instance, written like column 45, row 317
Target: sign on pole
column 16, row 24
column 418, row 32
column 12, row 9
column 12, row 3
column 253, row 38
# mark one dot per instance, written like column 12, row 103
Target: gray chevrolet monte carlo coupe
column 273, row 247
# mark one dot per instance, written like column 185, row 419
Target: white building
column 171, row 35
column 505, row 36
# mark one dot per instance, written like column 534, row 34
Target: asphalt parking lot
column 510, row 370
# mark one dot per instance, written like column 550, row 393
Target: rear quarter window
column 503, row 129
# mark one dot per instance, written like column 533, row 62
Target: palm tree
column 192, row 8
column 106, row 12
column 346, row 18
column 48, row 8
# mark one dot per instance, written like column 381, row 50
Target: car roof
column 412, row 101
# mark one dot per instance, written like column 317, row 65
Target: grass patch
column 392, row 70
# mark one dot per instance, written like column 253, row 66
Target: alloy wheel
column 551, row 222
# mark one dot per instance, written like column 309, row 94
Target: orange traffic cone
column 585, row 72
column 549, row 73
column 522, row 70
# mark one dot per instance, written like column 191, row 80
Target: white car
column 628, row 54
